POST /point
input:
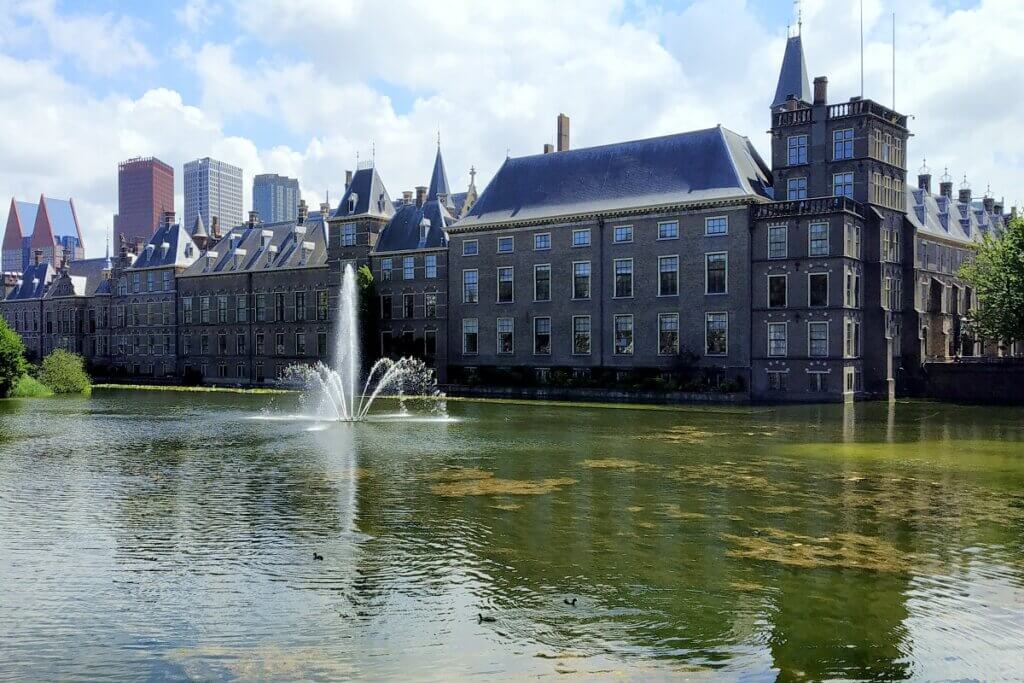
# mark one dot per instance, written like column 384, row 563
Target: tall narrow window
column 581, row 280
column 776, row 339
column 778, row 241
column 623, row 325
column 581, row 335
column 430, row 305
column 817, row 339
column 542, row 282
column 716, row 334
column 842, row 144
column 506, row 279
column 668, row 275
column 348, row 236
column 470, row 286
column 817, row 289
column 408, row 306
column 322, row 304
column 715, row 273
column 668, row 334
column 777, row 296
column 542, row 336
column 408, row 268
column 817, row 235
column 797, row 149
column 623, row 277
column 506, row 336
column 385, row 269
column 430, row 266
column 470, row 336
column 842, row 185
column 300, row 306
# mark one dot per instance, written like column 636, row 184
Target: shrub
column 12, row 358
column 29, row 387
column 64, row 373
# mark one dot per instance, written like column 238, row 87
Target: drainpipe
column 600, row 297
column 250, row 305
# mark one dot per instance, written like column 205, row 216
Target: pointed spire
column 439, row 178
column 793, row 75
column 198, row 228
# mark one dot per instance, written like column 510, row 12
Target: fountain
column 336, row 388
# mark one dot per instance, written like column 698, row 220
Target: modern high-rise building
column 275, row 197
column 145, row 190
column 213, row 189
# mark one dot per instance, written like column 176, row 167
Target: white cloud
column 196, row 15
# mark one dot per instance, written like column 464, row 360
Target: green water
column 158, row 535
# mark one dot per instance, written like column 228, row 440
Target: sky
column 305, row 87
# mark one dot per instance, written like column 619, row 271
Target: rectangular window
column 260, row 344
column 668, row 334
column 842, row 185
column 408, row 268
column 386, row 266
column 470, row 248
column 817, row 289
column 430, row 305
column 506, row 285
column 386, row 307
column 716, row 273
column 852, row 339
column 167, row 281
column 348, row 236
column 796, row 188
column 300, row 306
column 796, row 149
column 669, row 230
column 470, row 336
column 778, row 241
column 429, row 343
column 817, row 382
column 506, row 245
column 322, row 304
column 581, row 280
column 842, row 144
column 581, row 238
column 408, row 305
column 186, row 312
column 623, row 233
column 542, row 336
column 240, row 344
column 623, row 278
column 300, row 343
column 853, row 240
column 279, row 315
column 542, row 282
column 777, row 295
column 430, row 266
column 204, row 310
column 817, row 236
column 506, row 336
column 241, row 308
column 261, row 308
column 716, row 334
column 668, row 275
column 470, row 286
column 623, row 335
column 279, row 343
column 716, row 225
column 150, row 281
column 136, row 282
column 581, row 335
column 204, row 344
column 817, row 339
column 542, row 241
column 778, row 381
column 776, row 340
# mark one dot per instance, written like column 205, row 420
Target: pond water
column 171, row 535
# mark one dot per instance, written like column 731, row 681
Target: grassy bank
column 200, row 390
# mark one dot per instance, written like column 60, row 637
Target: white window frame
column 632, row 331
column 550, row 283
column 716, row 253
column 785, row 231
column 615, row 277
column 551, row 334
column 590, row 336
column 707, row 222
column 511, row 240
column 541, row 234
column 828, row 284
column 793, row 179
column 497, row 337
column 580, row 231
column 853, row 140
column 828, row 239
column 590, row 282
column 474, row 242
column 615, row 235
column 716, row 355
column 785, row 338
column 679, row 333
column 497, row 285
column 470, row 270
column 768, row 292
column 464, row 351
column 806, row 146
column 678, row 268
column 671, row 237
column 810, row 325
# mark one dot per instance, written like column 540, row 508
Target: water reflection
column 176, row 540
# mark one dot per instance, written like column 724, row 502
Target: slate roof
column 793, row 75
column 371, row 197
column 265, row 247
column 170, row 245
column 403, row 231
column 945, row 217
column 458, row 200
column 86, row 276
column 33, row 282
column 438, row 178
column 703, row 165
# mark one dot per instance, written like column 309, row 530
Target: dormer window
column 307, row 250
column 353, row 199
column 424, row 231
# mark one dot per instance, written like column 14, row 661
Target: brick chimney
column 254, row 219
column 965, row 192
column 407, row 196
column 821, row 90
column 563, row 133
column 348, row 179
column 325, row 210
column 549, row 148
column 924, row 181
column 946, row 188
column 215, row 227
column 37, row 255
column 421, row 195
column 989, row 203
column 168, row 218
column 303, row 211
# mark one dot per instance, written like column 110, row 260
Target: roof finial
column 439, row 136
column 799, row 16
column 373, row 151
column 924, row 166
column 946, row 178
column 472, row 175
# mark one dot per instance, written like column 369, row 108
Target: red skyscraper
column 145, row 189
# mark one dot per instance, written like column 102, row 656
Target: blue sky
column 303, row 86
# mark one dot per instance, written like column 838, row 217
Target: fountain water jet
column 337, row 387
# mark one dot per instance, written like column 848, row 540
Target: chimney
column 946, row 189
column 348, row 179
column 965, row 192
column 989, row 203
column 821, row 90
column 254, row 218
column 325, row 210
column 38, row 253
column 791, row 103
column 549, row 148
column 563, row 133
column 924, row 180
column 407, row 196
column 997, row 207
column 215, row 227
column 303, row 211
column 168, row 218
column 1013, row 215
column 421, row 195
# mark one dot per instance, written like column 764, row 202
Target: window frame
column 590, row 336
column 498, row 333
column 678, row 331
column 476, row 283
column 615, row 278
column 812, row 324
column 538, row 235
column 784, row 326
column 707, row 316
column 668, row 237
column 476, row 248
column 810, row 240
column 678, row 262
column 632, row 334
column 476, row 322
column 628, row 231
column 707, row 279
column 707, row 223
column 581, row 231
column 790, row 147
column 785, row 242
column 828, row 284
column 768, row 293
column 498, row 283
column 537, row 266
column 590, row 281
column 789, row 190
column 502, row 239
column 551, row 335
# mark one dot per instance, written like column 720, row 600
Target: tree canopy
column 64, row 373
column 997, row 276
column 12, row 358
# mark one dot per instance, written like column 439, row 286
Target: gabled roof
column 56, row 221
column 265, row 247
column 438, row 178
column 33, row 282
column 21, row 220
column 170, row 245
column 704, row 165
column 365, row 196
column 947, row 218
column 793, row 75
column 84, row 277
column 403, row 231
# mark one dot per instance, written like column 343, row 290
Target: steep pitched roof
column 21, row 219
column 365, row 196
column 56, row 221
column 403, row 231
column 264, row 247
column 33, row 282
column 198, row 228
column 170, row 245
column 438, row 178
column 945, row 217
column 793, row 75
column 703, row 165
column 84, row 277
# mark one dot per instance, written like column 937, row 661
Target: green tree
column 997, row 276
column 368, row 313
column 12, row 358
column 64, row 373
